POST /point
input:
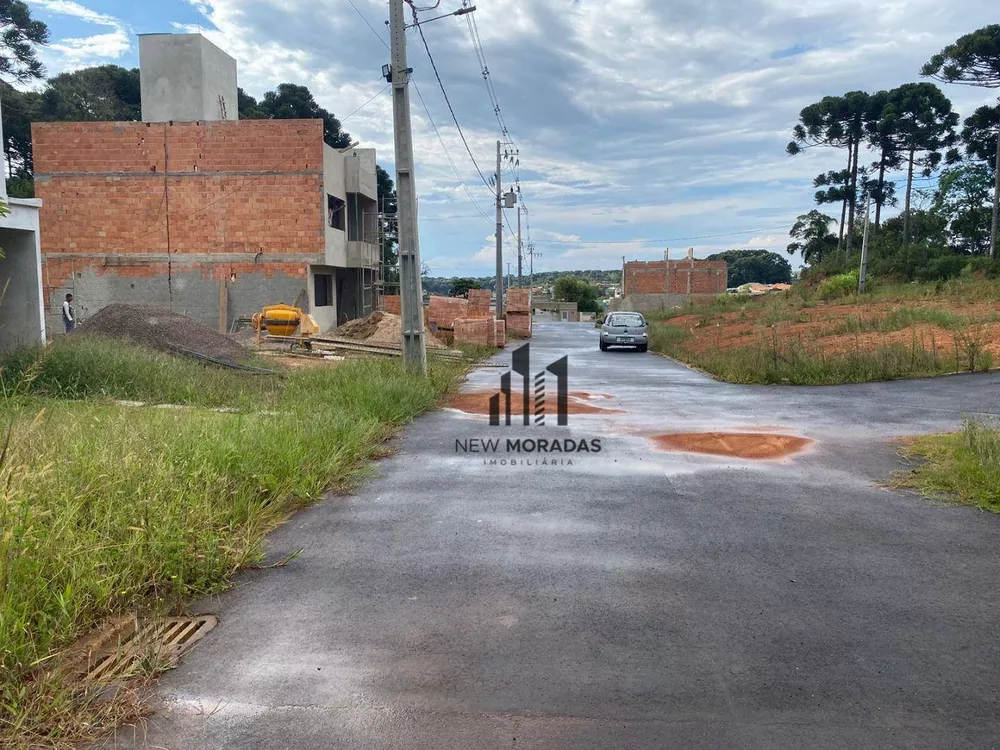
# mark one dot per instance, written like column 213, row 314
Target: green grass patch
column 107, row 509
column 962, row 466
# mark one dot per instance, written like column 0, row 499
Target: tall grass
column 964, row 466
column 776, row 360
column 107, row 509
column 86, row 367
column 901, row 318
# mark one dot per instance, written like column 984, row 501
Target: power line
column 362, row 15
column 450, row 108
column 458, row 174
column 386, row 88
column 671, row 239
column 477, row 45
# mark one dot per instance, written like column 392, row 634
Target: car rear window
column 627, row 320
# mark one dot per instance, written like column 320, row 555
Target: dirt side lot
column 833, row 329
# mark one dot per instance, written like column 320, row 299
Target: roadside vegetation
column 962, row 466
column 931, row 298
column 804, row 338
column 108, row 508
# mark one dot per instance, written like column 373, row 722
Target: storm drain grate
column 158, row 644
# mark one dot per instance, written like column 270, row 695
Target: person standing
column 68, row 313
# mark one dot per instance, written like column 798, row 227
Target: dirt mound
column 738, row 444
column 381, row 328
column 360, row 329
column 162, row 329
column 479, row 403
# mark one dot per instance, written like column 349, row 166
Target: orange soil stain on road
column 479, row 403
column 759, row 446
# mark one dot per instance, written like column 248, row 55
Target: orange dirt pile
column 479, row 403
column 736, row 444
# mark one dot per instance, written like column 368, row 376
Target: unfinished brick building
column 661, row 284
column 213, row 218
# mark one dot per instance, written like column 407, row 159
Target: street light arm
column 459, row 12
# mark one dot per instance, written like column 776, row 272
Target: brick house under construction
column 661, row 284
column 209, row 216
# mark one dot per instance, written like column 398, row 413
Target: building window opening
column 323, row 289
column 335, row 212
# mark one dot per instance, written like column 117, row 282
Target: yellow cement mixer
column 284, row 320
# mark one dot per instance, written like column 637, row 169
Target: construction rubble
column 469, row 320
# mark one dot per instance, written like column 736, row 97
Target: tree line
column 911, row 129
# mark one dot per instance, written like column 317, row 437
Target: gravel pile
column 159, row 328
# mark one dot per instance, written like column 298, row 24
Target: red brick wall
column 479, row 303
column 707, row 277
column 518, row 300
column 240, row 191
column 442, row 311
column 392, row 303
column 230, row 187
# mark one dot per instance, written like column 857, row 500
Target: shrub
column 982, row 268
column 841, row 285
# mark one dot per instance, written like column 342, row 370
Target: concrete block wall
column 20, row 303
column 656, row 302
column 184, row 77
column 160, row 212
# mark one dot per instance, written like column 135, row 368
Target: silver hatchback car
column 625, row 329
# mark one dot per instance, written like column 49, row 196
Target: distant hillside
column 442, row 285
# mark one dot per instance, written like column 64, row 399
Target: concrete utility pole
column 499, row 313
column 531, row 266
column 864, row 250
column 995, row 226
column 520, row 279
column 410, row 285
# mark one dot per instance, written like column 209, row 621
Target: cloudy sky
column 641, row 125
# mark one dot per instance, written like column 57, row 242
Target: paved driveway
column 635, row 599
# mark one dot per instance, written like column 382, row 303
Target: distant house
column 754, row 289
column 662, row 284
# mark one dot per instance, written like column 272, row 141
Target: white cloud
column 70, row 8
column 72, row 53
column 635, row 118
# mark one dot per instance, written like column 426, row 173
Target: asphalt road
column 633, row 599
